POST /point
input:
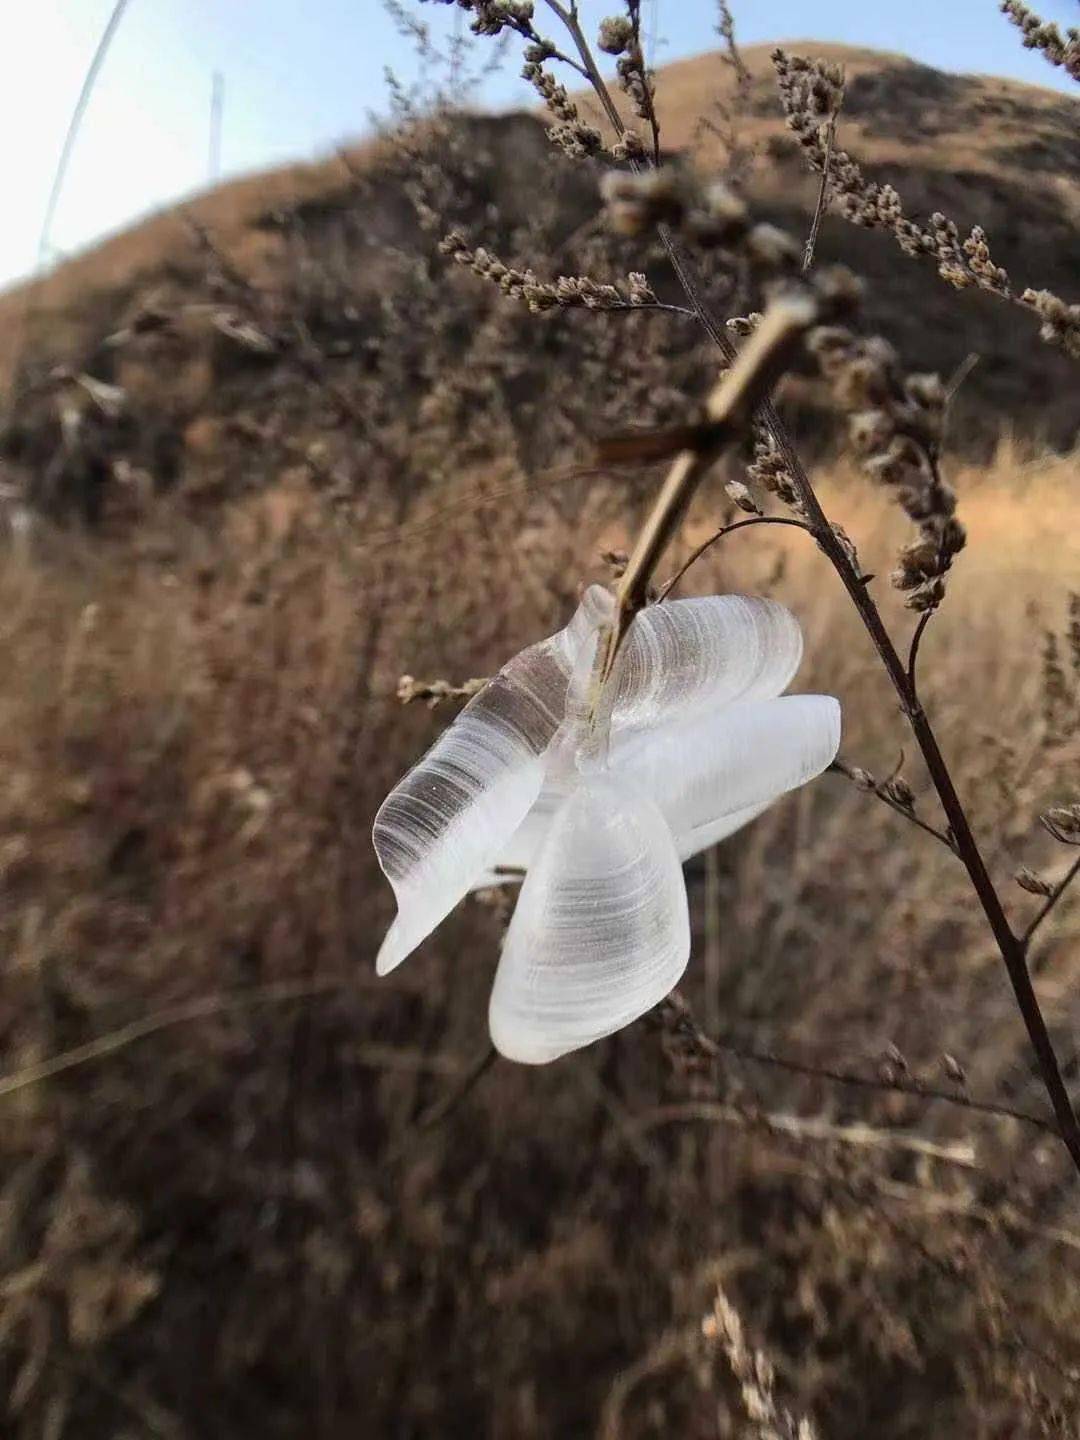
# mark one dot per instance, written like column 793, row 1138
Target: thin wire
column 75, row 123
column 653, row 33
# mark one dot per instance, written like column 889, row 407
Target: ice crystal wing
column 688, row 655
column 601, row 931
column 713, row 772
column 443, row 826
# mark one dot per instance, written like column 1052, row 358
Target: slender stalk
column 822, row 200
column 718, row 535
column 711, row 1046
column 840, row 768
column 1051, row 900
column 728, row 409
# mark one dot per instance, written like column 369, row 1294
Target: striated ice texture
column 688, row 655
column 454, row 811
column 600, row 802
column 601, row 931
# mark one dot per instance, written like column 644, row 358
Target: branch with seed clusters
column 894, row 792
column 687, row 1043
column 1044, row 36
column 809, row 92
column 435, row 692
column 754, row 1371
column 643, row 199
column 566, row 292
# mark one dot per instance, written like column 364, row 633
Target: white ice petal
column 448, row 819
column 443, row 826
column 521, row 848
column 704, row 837
column 601, row 931
column 688, row 655
column 715, row 768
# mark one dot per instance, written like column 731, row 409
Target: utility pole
column 217, row 107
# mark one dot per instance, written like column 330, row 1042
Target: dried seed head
column 839, row 290
column 900, row 793
column 616, row 35
column 1063, row 822
column 629, row 146
column 895, row 1057
column 638, row 203
column 870, row 431
column 1032, row 883
column 742, row 497
column 953, row 1068
column 926, row 390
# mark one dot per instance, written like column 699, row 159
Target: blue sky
column 302, row 75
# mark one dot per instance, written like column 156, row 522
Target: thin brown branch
column 711, row 1047
column 1051, row 900
column 696, row 554
column 840, row 767
column 822, row 199
column 916, row 641
column 1010, row 946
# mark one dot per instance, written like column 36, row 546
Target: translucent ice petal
column 521, row 848
column 727, row 767
column 703, row 837
column 601, row 931
column 688, row 655
column 444, row 824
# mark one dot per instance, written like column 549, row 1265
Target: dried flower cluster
column 1063, row 822
column 1044, row 36
column 894, row 425
column 572, row 134
column 435, row 692
column 565, row 292
column 811, row 91
column 755, row 1375
column 620, row 35
column 492, row 17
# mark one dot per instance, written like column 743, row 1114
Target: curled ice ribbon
column 599, row 799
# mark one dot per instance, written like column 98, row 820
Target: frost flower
column 691, row 739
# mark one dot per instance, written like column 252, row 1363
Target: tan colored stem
column 728, row 409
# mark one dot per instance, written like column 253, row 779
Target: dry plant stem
column 712, row 1047
column 728, row 408
column 718, row 535
column 1051, row 900
column 839, row 767
column 1013, row 948
column 823, row 195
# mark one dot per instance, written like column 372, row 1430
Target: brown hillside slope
column 983, row 151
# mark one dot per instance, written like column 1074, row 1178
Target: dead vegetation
column 247, row 1189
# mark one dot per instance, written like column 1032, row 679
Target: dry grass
column 191, row 761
